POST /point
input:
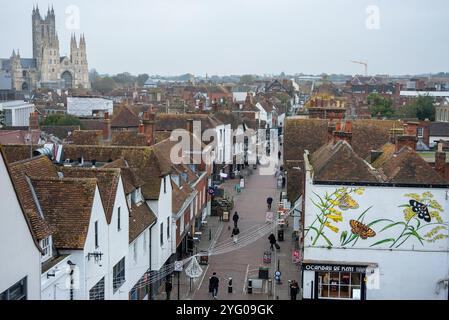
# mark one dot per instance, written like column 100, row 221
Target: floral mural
column 421, row 220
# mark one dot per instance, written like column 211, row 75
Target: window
column 339, row 285
column 168, row 227
column 96, row 234
column 162, row 233
column 97, row 291
column 420, row 132
column 118, row 219
column 16, row 292
column 118, row 275
column 46, row 247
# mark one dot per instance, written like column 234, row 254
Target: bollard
column 230, row 285
column 250, row 286
column 270, row 287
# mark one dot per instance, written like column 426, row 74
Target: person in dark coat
column 213, row 285
column 168, row 288
column 269, row 202
column 272, row 239
column 283, row 182
column 279, row 155
column 235, row 218
column 294, row 288
column 235, row 234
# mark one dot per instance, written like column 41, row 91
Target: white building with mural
column 374, row 230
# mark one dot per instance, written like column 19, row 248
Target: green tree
column 247, row 79
column 59, row 119
column 422, row 108
column 380, row 105
column 141, row 79
column 104, row 85
column 125, row 79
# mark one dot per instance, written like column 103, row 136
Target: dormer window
column 46, row 245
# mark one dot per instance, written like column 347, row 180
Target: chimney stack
column 34, row 121
column 440, row 160
column 343, row 131
column 107, row 134
column 149, row 126
column 405, row 140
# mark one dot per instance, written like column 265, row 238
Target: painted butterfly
column 421, row 209
column 360, row 229
column 347, row 202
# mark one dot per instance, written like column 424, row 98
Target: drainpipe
column 150, row 291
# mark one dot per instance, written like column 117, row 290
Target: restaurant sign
column 333, row 267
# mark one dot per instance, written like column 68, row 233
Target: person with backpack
column 213, row 285
column 235, row 218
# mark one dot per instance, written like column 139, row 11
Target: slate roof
column 107, row 180
column 67, row 204
column 439, row 129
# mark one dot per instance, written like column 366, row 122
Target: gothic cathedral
column 47, row 69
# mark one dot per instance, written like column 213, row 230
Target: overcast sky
column 224, row 37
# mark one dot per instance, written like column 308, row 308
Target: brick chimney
column 440, row 160
column 34, row 121
column 405, row 140
column 343, row 131
column 149, row 127
column 107, row 134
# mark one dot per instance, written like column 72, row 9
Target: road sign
column 178, row 266
column 211, row 191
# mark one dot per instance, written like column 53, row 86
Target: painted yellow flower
column 334, row 202
column 359, row 191
column 336, row 218
column 333, row 228
column 408, row 214
column 427, row 194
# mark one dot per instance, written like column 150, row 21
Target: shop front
column 322, row 280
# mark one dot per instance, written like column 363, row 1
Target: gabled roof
column 407, row 167
column 140, row 218
column 107, row 180
column 67, row 204
column 130, row 179
column 20, row 173
column 338, row 162
column 170, row 122
column 125, row 118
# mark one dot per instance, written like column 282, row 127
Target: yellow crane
column 364, row 63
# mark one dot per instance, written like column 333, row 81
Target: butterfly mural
column 347, row 202
column 361, row 230
column 421, row 209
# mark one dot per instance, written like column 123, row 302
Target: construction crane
column 365, row 63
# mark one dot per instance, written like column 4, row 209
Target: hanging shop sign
column 333, row 267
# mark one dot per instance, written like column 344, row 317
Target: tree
column 59, row 119
column 247, row 79
column 141, row 79
column 104, row 85
column 422, row 108
column 380, row 105
column 125, row 79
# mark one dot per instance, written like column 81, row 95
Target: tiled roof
column 61, row 132
column 128, row 138
column 67, row 204
column 370, row 135
column 107, row 180
column 86, row 137
column 170, row 122
column 140, row 218
column 130, row 179
column 125, row 118
column 18, row 136
column 91, row 124
column 338, row 162
column 20, row 173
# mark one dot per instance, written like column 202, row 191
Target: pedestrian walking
column 213, row 285
column 168, row 288
column 294, row 288
column 235, row 218
column 283, row 182
column 272, row 239
column 279, row 155
column 269, row 202
column 235, row 234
